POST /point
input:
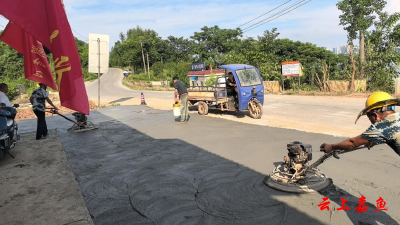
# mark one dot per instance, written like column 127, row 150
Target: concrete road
column 333, row 115
column 139, row 167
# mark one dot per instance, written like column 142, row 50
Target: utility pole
column 362, row 53
column 148, row 66
column 98, row 74
column 144, row 63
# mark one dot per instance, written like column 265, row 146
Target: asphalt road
column 139, row 167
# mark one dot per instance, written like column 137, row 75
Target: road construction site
column 139, row 167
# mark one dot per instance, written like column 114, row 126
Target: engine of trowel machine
column 298, row 155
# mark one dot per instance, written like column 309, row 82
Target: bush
column 12, row 85
column 212, row 79
column 139, row 77
column 88, row 76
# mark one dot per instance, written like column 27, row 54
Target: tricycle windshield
column 248, row 77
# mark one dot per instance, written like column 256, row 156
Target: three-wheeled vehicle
column 249, row 92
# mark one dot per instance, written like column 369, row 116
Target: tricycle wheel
column 255, row 109
column 203, row 108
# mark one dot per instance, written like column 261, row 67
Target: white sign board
column 291, row 69
column 99, row 46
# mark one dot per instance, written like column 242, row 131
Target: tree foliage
column 382, row 59
column 357, row 16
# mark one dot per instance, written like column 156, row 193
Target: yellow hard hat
column 378, row 100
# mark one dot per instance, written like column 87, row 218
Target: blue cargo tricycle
column 248, row 94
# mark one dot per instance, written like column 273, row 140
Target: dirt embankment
column 27, row 113
column 25, row 109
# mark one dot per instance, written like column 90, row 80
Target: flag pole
column 98, row 74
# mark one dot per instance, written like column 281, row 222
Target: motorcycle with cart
column 8, row 129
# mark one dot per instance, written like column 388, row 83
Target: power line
column 282, row 11
column 87, row 40
column 265, row 13
column 279, row 16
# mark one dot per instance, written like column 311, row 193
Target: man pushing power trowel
column 385, row 127
column 294, row 175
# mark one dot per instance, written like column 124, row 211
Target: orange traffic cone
column 142, row 101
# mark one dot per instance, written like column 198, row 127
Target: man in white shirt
column 4, row 101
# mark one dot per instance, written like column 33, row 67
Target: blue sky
column 316, row 22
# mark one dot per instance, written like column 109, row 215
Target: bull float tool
column 294, row 175
column 80, row 125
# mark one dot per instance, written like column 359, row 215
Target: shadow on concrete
column 177, row 119
column 121, row 100
column 239, row 114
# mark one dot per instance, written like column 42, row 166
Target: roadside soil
column 136, row 87
column 25, row 109
column 38, row 186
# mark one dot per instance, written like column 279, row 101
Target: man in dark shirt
column 231, row 86
column 38, row 100
column 181, row 90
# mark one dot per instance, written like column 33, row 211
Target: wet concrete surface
column 139, row 167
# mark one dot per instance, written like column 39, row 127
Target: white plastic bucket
column 177, row 111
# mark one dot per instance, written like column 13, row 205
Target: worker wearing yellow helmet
column 385, row 128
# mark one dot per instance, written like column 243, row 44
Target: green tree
column 211, row 80
column 357, row 17
column 212, row 41
column 178, row 49
column 382, row 59
column 128, row 50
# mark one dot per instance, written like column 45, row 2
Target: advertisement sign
column 198, row 66
column 291, row 69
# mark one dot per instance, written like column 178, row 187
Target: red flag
column 47, row 21
column 36, row 66
column 30, row 16
column 12, row 35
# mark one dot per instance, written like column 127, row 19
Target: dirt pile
column 27, row 113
